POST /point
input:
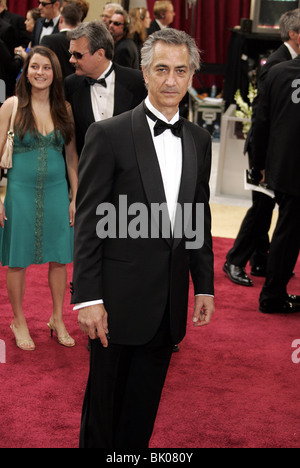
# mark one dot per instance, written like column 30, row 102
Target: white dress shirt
column 50, row 29
column 103, row 99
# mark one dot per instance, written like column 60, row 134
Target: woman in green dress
column 38, row 213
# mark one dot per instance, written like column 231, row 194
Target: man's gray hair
column 290, row 21
column 97, row 35
column 171, row 37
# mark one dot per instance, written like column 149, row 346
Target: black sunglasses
column 44, row 4
column 77, row 55
column 116, row 23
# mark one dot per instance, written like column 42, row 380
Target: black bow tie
column 102, row 81
column 47, row 24
column 161, row 126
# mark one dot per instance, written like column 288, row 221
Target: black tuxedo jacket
column 130, row 91
column 60, row 45
column 282, row 54
column 7, row 35
column 21, row 36
column 127, row 54
column 139, row 278
column 277, row 128
column 37, row 31
column 154, row 27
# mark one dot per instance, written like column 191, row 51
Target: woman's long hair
column 25, row 120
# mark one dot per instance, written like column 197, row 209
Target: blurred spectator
column 31, row 18
column 164, row 15
column 108, row 11
column 48, row 23
column 139, row 23
column 83, row 5
column 126, row 51
column 60, row 43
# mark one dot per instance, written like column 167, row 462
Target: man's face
column 169, row 76
column 106, row 15
column 49, row 9
column 83, row 61
column 116, row 27
column 170, row 15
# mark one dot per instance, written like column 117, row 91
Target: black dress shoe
column 258, row 271
column 175, row 348
column 237, row 274
column 279, row 306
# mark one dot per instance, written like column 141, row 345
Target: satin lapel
column 147, row 160
column 188, row 177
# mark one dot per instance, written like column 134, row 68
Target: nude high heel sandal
column 25, row 345
column 65, row 340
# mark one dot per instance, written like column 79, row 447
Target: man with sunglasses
column 126, row 52
column 48, row 23
column 99, row 89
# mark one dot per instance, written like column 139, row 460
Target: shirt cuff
column 82, row 305
column 208, row 295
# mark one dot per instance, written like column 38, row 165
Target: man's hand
column 203, row 310
column 93, row 321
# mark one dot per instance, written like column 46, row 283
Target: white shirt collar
column 159, row 115
column 291, row 50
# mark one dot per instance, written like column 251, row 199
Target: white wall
column 96, row 7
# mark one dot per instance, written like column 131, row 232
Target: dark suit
column 144, row 282
column 252, row 241
column 129, row 92
column 9, row 69
column 37, row 31
column 60, row 45
column 127, row 54
column 21, row 36
column 275, row 142
column 154, row 26
column 7, row 35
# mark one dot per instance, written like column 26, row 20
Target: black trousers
column 284, row 248
column 123, row 392
column 252, row 242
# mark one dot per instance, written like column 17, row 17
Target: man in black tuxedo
column 60, row 43
column 164, row 15
column 92, row 50
column 131, row 281
column 275, row 142
column 48, row 23
column 252, row 242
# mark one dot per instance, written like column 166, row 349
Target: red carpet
column 233, row 384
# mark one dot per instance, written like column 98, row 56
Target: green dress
column 37, row 229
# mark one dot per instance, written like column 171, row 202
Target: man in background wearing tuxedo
column 99, row 89
column 275, row 149
column 132, row 289
column 60, row 43
column 252, row 242
column 48, row 23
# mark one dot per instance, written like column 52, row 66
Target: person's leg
column 57, row 278
column 254, row 227
column 284, row 249
column 15, row 280
column 123, row 392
